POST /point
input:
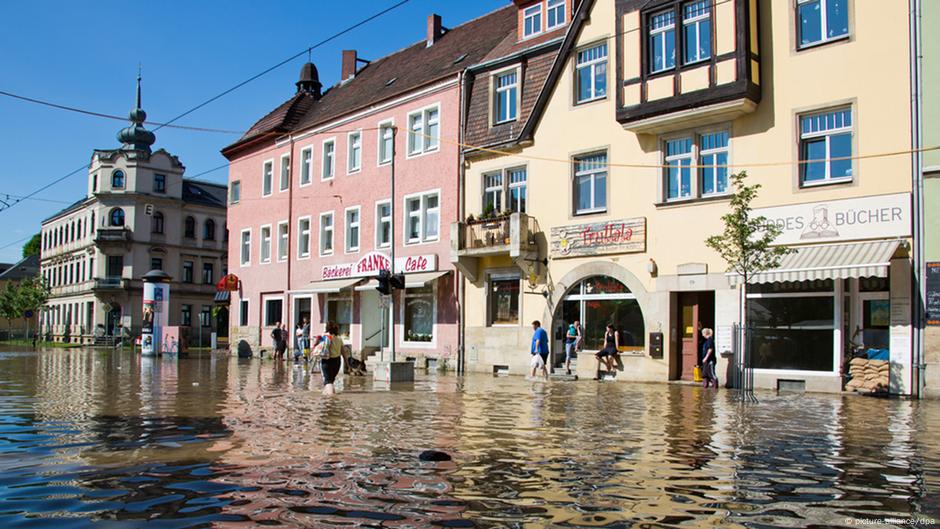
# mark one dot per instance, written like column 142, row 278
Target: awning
column 325, row 287
column 411, row 280
column 368, row 285
column 830, row 261
column 223, row 296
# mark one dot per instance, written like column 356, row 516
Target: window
column 205, row 316
column 383, row 224
column 187, row 271
column 285, row 173
column 186, row 315
column 592, row 73
column 821, row 21
column 696, row 31
column 419, row 314
column 156, row 223
column 116, row 218
column 339, row 309
column 590, row 179
column 189, row 228
column 159, row 183
column 265, row 244
column 532, row 20
column 679, row 158
column 243, row 313
column 495, row 188
column 354, row 154
column 266, row 177
column 208, row 230
column 352, row 229
column 208, row 271
column 826, row 147
column 386, row 142
column 713, row 159
column 493, row 192
column 117, row 179
column 422, row 218
column 272, row 311
column 517, row 189
column 235, row 192
column 507, row 89
column 94, row 183
column 662, row 41
column 326, row 233
column 329, row 153
column 283, row 241
column 601, row 300
column 306, row 163
column 423, row 131
column 793, row 330
column 303, row 237
column 503, row 299
column 115, row 266
column 156, row 263
column 245, row 257
column 555, row 16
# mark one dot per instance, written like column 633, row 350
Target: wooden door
column 688, row 333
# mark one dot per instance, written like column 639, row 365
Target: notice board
column 933, row 293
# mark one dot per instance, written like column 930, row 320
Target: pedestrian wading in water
column 329, row 350
column 539, row 350
column 608, row 355
column 708, row 359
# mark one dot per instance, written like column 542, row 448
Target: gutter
column 918, row 286
column 461, row 214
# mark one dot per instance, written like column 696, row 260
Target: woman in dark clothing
column 708, row 359
column 611, row 349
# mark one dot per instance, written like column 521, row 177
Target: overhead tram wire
column 228, row 91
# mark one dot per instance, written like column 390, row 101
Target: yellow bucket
column 697, row 374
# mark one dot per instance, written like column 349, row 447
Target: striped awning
column 222, row 297
column 829, row 261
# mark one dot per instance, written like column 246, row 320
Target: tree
column 17, row 298
column 9, row 306
column 34, row 246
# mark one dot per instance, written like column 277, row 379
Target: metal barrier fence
column 743, row 367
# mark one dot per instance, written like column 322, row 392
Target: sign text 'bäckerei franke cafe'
column 371, row 263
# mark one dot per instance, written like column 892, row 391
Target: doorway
column 371, row 315
column 114, row 318
column 696, row 310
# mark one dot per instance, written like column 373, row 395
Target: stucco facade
column 930, row 127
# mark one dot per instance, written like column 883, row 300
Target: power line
column 5, row 246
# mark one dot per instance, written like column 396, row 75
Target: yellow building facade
column 648, row 109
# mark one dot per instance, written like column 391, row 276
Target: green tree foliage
column 17, row 298
column 34, row 246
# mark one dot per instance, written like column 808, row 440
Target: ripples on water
column 111, row 440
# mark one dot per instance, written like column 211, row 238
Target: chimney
column 349, row 65
column 434, row 29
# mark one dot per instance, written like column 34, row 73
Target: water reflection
column 111, row 439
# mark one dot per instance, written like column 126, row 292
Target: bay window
column 662, row 41
column 696, row 31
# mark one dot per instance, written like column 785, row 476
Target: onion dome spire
column 136, row 137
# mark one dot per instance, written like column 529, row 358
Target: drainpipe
column 461, row 214
column 290, row 222
column 919, row 286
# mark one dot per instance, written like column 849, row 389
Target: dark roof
column 4, row 267
column 204, row 193
column 67, row 209
column 27, row 267
column 393, row 75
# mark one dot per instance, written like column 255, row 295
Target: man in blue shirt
column 539, row 349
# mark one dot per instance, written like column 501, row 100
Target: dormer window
column 506, row 87
column 532, row 20
column 555, row 16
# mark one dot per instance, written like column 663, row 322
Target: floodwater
column 105, row 439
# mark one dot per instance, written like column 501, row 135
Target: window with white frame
column 265, row 244
column 532, row 20
column 422, row 218
column 326, row 233
column 283, row 240
column 423, row 131
column 235, row 192
column 285, row 173
column 352, row 229
column 386, row 142
column 518, row 189
column 503, row 295
column 590, row 183
column 306, row 165
column 820, row 21
column 679, row 158
column 662, row 41
column 492, row 192
column 383, row 224
column 245, row 247
column 329, row 155
column 354, row 155
column 592, row 73
column 418, row 308
column 713, row 162
column 826, row 147
column 505, row 106
column 681, row 180
column 555, row 14
column 303, row 237
column 505, row 187
column 266, row 177
column 696, row 31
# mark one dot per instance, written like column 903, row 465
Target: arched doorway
column 113, row 319
column 597, row 301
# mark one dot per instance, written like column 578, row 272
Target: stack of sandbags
column 868, row 376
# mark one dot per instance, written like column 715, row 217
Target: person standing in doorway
column 539, row 349
column 572, row 338
column 305, row 338
column 276, row 340
column 285, row 335
column 709, row 374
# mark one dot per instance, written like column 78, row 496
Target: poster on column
column 933, row 294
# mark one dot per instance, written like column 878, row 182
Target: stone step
column 563, row 377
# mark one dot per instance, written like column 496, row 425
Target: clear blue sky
column 86, row 54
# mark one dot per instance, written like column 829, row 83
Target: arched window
column 92, row 224
column 79, row 232
column 598, row 301
column 117, row 217
column 117, row 179
column 208, row 231
column 189, row 228
column 156, row 223
column 72, row 232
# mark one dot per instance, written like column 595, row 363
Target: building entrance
column 696, row 311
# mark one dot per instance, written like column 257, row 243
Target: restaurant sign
column 370, row 264
column 616, row 236
column 873, row 217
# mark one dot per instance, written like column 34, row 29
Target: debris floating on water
column 434, row 455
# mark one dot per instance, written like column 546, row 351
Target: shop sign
column 875, row 217
column 933, row 293
column 228, row 283
column 370, row 264
column 616, row 236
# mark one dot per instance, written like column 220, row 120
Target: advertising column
column 155, row 311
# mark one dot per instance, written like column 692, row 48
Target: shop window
column 418, row 310
column 503, row 292
column 601, row 300
column 273, row 311
column 339, row 310
column 792, row 331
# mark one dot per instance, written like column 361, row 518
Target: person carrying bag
column 330, row 352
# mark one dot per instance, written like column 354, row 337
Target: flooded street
column 90, row 438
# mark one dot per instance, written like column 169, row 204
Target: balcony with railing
column 114, row 237
column 109, row 283
column 514, row 236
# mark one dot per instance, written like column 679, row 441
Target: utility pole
column 391, row 301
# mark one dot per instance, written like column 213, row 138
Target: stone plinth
column 392, row 372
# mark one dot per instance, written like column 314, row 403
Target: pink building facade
column 311, row 215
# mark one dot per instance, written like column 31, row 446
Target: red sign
column 228, row 283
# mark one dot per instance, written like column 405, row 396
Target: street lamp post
column 391, row 301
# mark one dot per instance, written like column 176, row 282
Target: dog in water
column 355, row 367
